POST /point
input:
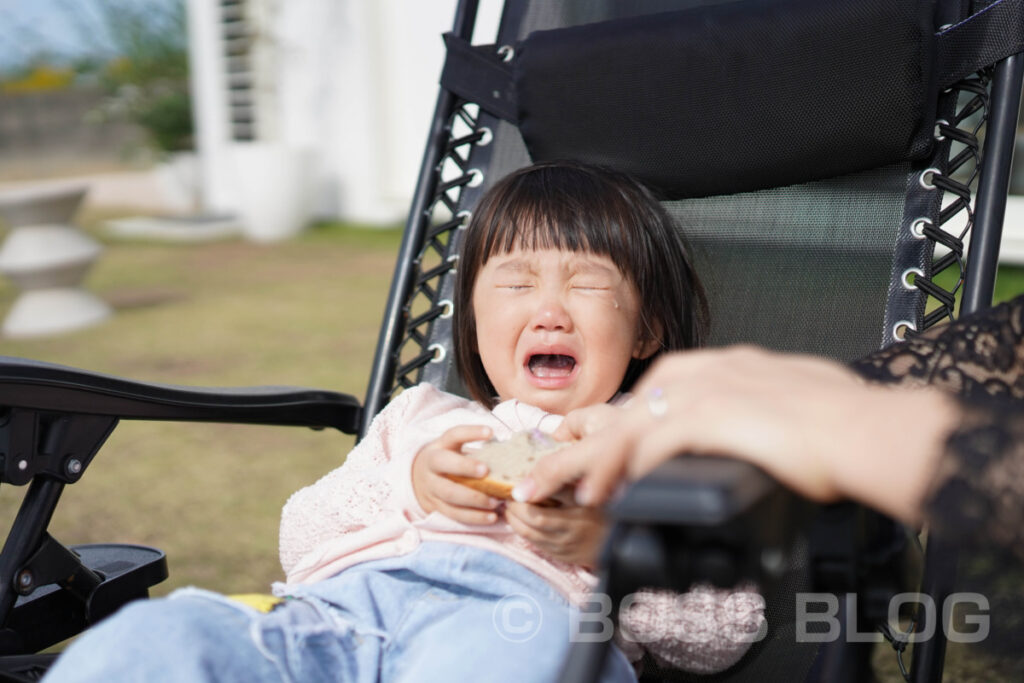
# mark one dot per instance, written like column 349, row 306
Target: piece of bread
column 509, row 462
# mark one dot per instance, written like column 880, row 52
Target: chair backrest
column 836, row 265
column 794, row 257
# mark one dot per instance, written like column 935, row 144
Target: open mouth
column 551, row 365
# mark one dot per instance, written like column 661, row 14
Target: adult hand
column 435, row 491
column 570, row 533
column 567, row 467
column 809, row 422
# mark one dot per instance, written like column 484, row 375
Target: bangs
column 532, row 230
column 569, row 212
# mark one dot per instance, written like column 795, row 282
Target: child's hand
column 434, row 491
column 571, row 533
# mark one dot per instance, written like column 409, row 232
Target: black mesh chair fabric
column 801, row 268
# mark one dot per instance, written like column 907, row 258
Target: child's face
column 556, row 329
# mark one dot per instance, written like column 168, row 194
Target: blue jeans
column 445, row 612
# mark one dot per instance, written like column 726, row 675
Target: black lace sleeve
column 977, row 493
column 977, row 356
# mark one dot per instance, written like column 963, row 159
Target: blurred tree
column 148, row 79
column 135, row 51
column 38, row 78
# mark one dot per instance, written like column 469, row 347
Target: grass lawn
column 1009, row 283
column 304, row 313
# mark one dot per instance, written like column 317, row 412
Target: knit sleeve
column 350, row 497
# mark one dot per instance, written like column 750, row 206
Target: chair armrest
column 703, row 519
column 37, row 385
column 697, row 491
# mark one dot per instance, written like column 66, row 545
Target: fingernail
column 493, row 503
column 481, row 470
column 523, row 490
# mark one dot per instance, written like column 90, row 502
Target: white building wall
column 352, row 81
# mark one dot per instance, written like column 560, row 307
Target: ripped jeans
column 444, row 612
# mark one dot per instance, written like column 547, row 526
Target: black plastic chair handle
column 50, row 387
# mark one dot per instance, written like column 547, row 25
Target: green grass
column 304, row 313
column 1009, row 283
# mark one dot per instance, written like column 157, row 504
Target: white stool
column 47, row 257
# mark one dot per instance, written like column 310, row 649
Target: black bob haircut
column 573, row 206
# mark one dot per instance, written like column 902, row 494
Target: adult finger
column 551, row 474
column 584, row 421
column 599, row 461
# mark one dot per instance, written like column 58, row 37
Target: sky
column 61, row 27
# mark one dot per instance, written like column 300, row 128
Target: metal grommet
column 454, row 260
column 485, row 137
column 927, row 177
column 439, row 353
column 918, row 226
column 937, row 134
column 900, row 328
column 447, row 308
column 906, row 283
column 464, row 217
column 507, row 53
column 476, row 177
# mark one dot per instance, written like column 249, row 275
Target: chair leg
column 585, row 661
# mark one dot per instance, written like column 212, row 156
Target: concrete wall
column 53, row 132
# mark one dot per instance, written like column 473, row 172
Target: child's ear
column 648, row 344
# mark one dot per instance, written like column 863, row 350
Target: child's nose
column 552, row 315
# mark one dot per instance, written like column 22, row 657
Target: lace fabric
column 978, row 489
column 976, row 497
column 976, row 357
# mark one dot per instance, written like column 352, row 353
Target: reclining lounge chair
column 819, row 157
